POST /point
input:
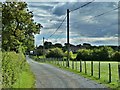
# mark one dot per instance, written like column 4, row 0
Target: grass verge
column 26, row 79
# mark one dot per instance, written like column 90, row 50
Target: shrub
column 55, row 53
column 39, row 52
column 116, row 56
column 70, row 54
column 84, row 54
column 12, row 65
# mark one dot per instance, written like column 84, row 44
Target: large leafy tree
column 18, row 27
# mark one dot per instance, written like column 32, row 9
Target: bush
column 39, row 52
column 70, row 55
column 116, row 56
column 84, row 54
column 55, row 53
column 12, row 66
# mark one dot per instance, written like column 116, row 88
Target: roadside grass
column 26, row 79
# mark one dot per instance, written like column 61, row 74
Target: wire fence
column 103, row 70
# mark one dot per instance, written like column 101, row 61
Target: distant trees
column 84, row 54
column 116, row 56
column 101, row 54
column 49, row 45
column 55, row 53
column 58, row 45
column 18, row 27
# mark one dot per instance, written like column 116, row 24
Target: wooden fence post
column 119, row 74
column 109, row 73
column 91, row 68
column 57, row 61
column 72, row 64
column 85, row 67
column 76, row 64
column 99, row 70
column 80, row 66
column 63, row 62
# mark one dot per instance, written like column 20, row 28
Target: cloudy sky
column 84, row 28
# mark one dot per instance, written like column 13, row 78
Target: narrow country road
column 48, row 76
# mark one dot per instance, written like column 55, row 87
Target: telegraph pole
column 43, row 48
column 68, row 37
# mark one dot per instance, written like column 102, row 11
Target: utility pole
column 43, row 48
column 68, row 37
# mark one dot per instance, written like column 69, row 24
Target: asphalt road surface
column 48, row 76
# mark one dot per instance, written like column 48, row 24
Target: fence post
column 80, row 66
column 52, row 61
column 76, row 64
column 60, row 62
column 63, row 62
column 109, row 73
column 119, row 74
column 91, row 68
column 57, row 61
column 72, row 64
column 85, row 67
column 99, row 70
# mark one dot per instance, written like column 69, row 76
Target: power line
column 58, row 27
column 100, row 14
column 82, row 6
column 59, row 35
column 106, row 12
column 66, row 16
column 95, row 17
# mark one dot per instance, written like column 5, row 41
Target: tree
column 48, row 45
column 55, row 53
column 58, row 45
column 116, row 56
column 70, row 54
column 18, row 27
column 84, row 54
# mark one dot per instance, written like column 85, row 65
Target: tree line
column 97, row 54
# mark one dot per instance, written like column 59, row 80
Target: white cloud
column 78, row 40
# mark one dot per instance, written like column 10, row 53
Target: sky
column 84, row 28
